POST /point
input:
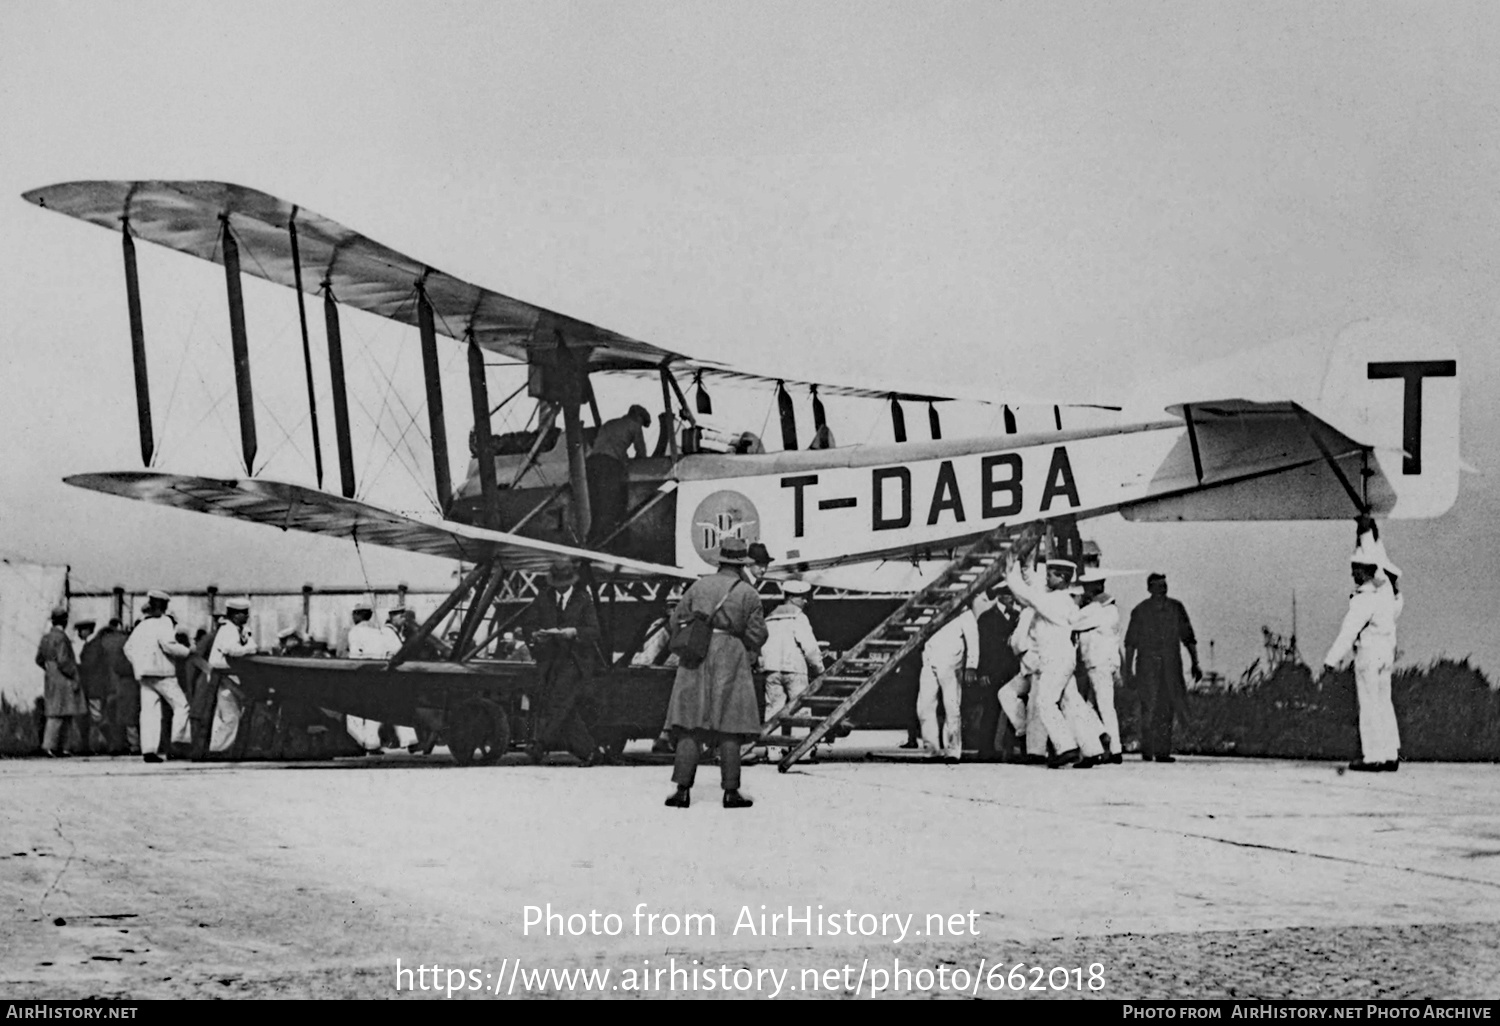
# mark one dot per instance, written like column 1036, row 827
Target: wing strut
column 240, row 346
column 483, row 446
column 138, row 346
column 312, row 396
column 447, row 606
column 340, row 392
column 436, row 424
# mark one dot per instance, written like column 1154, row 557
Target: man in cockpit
column 609, row 493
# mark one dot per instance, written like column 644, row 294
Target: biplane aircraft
column 1359, row 422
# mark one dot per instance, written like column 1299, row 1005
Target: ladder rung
column 825, row 679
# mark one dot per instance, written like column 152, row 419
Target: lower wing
column 298, row 508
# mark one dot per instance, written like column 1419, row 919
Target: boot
column 735, row 800
column 1063, row 759
column 681, row 800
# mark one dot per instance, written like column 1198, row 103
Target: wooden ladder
column 830, row 698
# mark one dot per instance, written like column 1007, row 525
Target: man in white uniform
column 949, row 659
column 232, row 639
column 1014, row 694
column 367, row 641
column 1098, row 627
column 1369, row 631
column 151, row 647
column 791, row 654
column 1057, row 658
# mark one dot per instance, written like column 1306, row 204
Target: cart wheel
column 478, row 733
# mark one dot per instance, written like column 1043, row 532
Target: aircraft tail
column 1393, row 385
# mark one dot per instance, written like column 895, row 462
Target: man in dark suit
column 564, row 632
column 1159, row 630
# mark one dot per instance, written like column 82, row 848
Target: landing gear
column 478, row 733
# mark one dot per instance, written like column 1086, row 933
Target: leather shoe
column 1165, row 758
column 1063, row 759
column 681, row 800
column 1360, row 766
column 1089, row 762
column 735, row 800
column 1389, row 767
column 151, row 757
column 1116, row 759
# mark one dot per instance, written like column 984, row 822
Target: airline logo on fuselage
column 724, row 514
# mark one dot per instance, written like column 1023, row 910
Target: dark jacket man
column 565, row 643
column 1159, row 630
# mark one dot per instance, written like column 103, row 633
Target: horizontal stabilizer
column 298, row 508
column 1378, row 399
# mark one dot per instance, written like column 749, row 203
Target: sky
column 1056, row 199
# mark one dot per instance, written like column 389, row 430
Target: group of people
column 1065, row 631
column 115, row 690
column 114, row 693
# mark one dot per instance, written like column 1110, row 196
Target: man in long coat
column 714, row 702
column 125, row 721
column 62, row 695
column 565, row 643
column 1159, row 629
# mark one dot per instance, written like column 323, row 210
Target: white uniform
column 1369, row 630
column 150, row 649
column 1014, row 692
column 789, row 656
column 1052, row 640
column 1098, row 626
column 229, row 641
column 367, row 641
column 953, row 648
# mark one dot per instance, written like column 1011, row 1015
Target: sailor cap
column 1066, row 566
column 363, row 606
column 796, row 588
column 237, row 605
column 156, row 594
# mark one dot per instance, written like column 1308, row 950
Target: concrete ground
column 1207, row 878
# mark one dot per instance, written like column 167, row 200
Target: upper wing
column 295, row 507
column 191, row 217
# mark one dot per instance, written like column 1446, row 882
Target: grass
column 1447, row 711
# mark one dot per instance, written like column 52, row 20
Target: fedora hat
column 562, row 574
column 733, row 552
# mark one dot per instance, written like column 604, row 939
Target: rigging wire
column 411, row 422
column 414, row 474
column 177, row 380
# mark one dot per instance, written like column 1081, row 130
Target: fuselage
column 825, row 507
